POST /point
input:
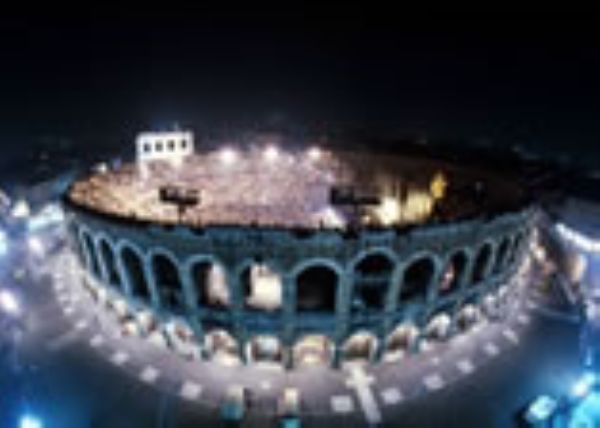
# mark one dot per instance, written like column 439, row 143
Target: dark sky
column 510, row 76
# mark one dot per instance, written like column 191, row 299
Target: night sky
column 505, row 76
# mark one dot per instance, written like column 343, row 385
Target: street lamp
column 9, row 303
column 35, row 245
column 30, row 421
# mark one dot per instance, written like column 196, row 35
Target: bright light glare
column 389, row 211
column 271, row 154
column 35, row 245
column 9, row 303
column 30, row 421
column 584, row 385
column 3, row 244
column 314, row 153
column 20, row 210
column 228, row 156
column 577, row 239
column 541, row 409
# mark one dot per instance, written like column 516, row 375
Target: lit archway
column 360, row 348
column 181, row 338
column 262, row 288
column 265, row 349
column 222, row 347
column 401, row 340
column 210, row 283
column 311, row 350
column 467, row 316
column 454, row 273
column 438, row 326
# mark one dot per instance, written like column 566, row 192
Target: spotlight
column 9, row 303
column 314, row 153
column 35, row 245
column 30, row 421
column 271, row 154
column 584, row 385
column 228, row 156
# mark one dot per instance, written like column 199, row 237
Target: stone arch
column 165, row 272
column 261, row 286
column 209, row 282
column 77, row 245
column 133, row 266
column 317, row 283
column 220, row 345
column 313, row 349
column 516, row 246
column 454, row 275
column 402, row 339
column 438, row 325
column 501, row 255
column 467, row 315
column 482, row 263
column 360, row 347
column 264, row 349
column 90, row 249
column 372, row 275
column 417, row 278
column 109, row 260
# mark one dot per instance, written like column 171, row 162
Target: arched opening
column 467, row 316
column 147, row 323
column 481, row 264
column 454, row 272
column 516, row 248
column 417, row 278
column 501, row 256
column 168, row 282
column 372, row 276
column 262, row 288
column 401, row 340
column 360, row 348
column 490, row 306
column 181, row 338
column 93, row 256
column 222, row 347
column 134, row 271
column 210, row 282
column 110, row 264
column 438, row 326
column 311, row 350
column 77, row 246
column 316, row 288
column 265, row 349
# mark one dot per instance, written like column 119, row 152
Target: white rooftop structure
column 171, row 147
